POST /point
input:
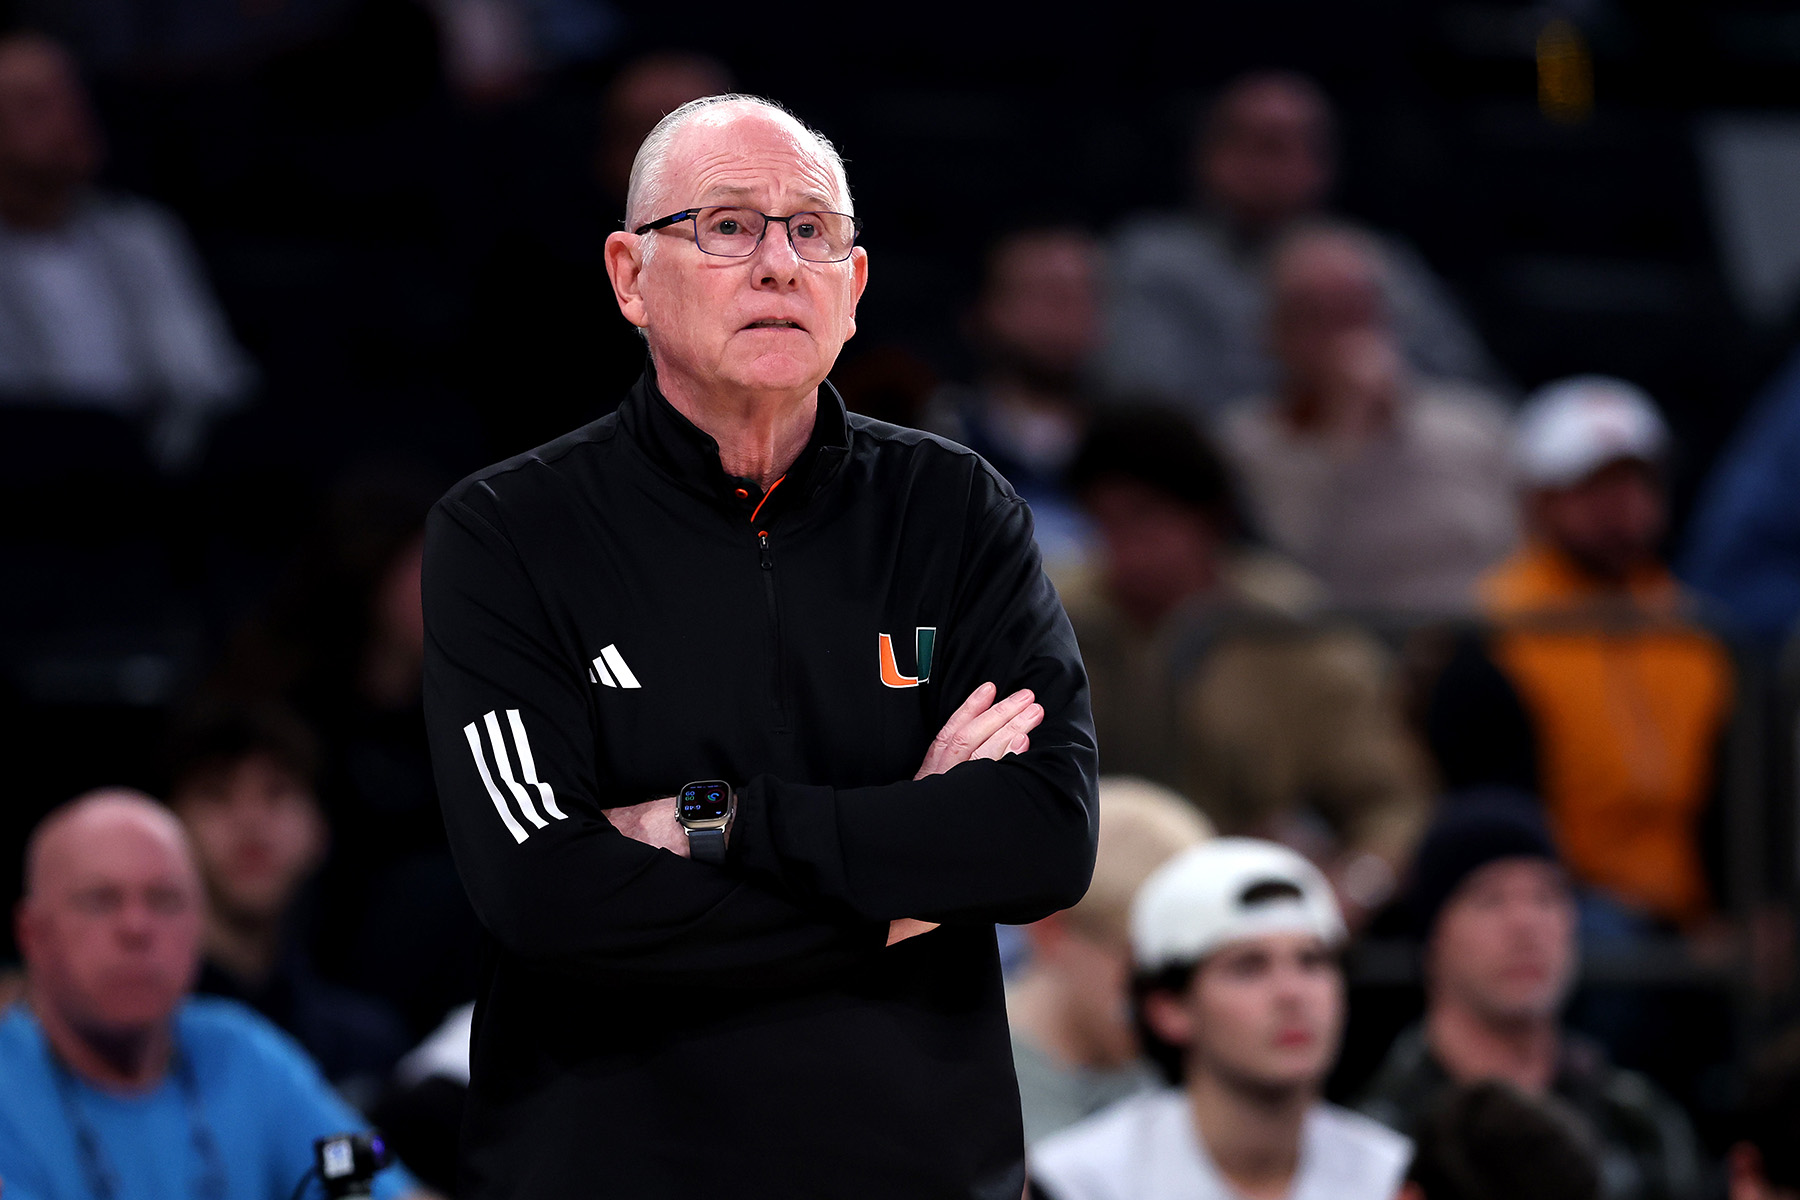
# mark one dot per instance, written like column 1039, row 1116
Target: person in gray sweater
column 1189, row 290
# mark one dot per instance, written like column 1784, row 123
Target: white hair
column 647, row 192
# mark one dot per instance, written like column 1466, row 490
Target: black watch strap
column 706, row 845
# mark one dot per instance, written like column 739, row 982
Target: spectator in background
column 1035, row 327
column 1498, row 919
column 1490, row 1141
column 1205, row 678
column 646, row 90
column 1764, row 1164
column 1743, row 540
column 103, row 303
column 189, row 38
column 242, row 784
column 342, row 643
column 1626, row 698
column 1074, row 1045
column 493, row 51
column 1392, row 487
column 548, row 350
column 1241, row 1001
column 1189, row 303
column 115, row 1084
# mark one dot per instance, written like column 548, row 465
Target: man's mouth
column 773, row 323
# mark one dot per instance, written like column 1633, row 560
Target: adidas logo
column 610, row 669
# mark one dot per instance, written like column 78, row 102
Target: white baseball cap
column 1227, row 890
column 1572, row 428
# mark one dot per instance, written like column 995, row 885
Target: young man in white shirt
column 1241, row 1001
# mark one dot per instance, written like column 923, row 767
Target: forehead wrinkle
column 808, row 200
column 737, row 174
column 721, row 163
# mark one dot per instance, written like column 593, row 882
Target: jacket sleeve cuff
column 764, row 840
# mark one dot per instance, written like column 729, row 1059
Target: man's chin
column 130, row 1011
column 1521, row 1009
column 781, row 377
column 1279, row 1074
column 117, row 1032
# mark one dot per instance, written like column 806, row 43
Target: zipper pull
column 762, row 540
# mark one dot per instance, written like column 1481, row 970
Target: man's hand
column 983, row 729
column 979, row 729
column 652, row 823
column 906, row 927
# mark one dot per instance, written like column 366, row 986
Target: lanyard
column 102, row 1181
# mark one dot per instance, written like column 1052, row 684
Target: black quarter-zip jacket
column 613, row 615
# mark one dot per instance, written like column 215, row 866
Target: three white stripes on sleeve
column 527, row 770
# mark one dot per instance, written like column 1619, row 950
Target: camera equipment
column 346, row 1163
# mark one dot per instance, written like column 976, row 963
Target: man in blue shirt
column 113, row 1084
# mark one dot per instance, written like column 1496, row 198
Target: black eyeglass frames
column 732, row 232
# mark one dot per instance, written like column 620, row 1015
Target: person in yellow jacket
column 1626, row 696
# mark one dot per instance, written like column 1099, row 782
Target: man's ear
column 859, row 279
column 1168, row 1018
column 625, row 267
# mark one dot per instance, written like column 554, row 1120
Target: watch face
column 708, row 801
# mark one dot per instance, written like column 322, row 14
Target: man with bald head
column 103, row 303
column 113, row 1083
column 750, row 717
column 1190, row 289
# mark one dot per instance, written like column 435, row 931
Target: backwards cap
column 1228, row 890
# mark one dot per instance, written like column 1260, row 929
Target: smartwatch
column 706, row 809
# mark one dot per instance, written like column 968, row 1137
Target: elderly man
column 750, row 718
column 115, row 1085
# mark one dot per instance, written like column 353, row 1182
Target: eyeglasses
column 824, row 237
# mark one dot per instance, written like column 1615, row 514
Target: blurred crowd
column 1446, row 839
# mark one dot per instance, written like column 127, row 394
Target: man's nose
column 1287, row 988
column 135, row 924
column 777, row 265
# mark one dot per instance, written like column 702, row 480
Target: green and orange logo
column 924, row 639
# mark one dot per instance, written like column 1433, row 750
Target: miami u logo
column 890, row 670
